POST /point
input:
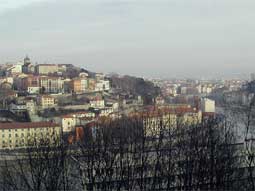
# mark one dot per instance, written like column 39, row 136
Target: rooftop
column 26, row 125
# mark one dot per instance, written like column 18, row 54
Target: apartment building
column 50, row 84
column 158, row 119
column 17, row 135
column 31, row 84
column 46, row 101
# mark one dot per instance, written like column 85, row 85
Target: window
column 10, row 135
column 2, row 135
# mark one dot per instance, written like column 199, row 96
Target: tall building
column 27, row 65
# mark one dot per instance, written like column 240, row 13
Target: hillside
column 136, row 86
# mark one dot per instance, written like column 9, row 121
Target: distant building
column 78, row 85
column 102, row 85
column 159, row 100
column 31, row 106
column 208, row 105
column 91, row 84
column 99, row 76
column 97, row 102
column 31, row 84
column 73, row 119
column 252, row 77
column 156, row 118
column 27, row 67
column 84, row 84
column 14, row 69
column 83, row 75
column 49, row 84
column 17, row 135
column 45, row 69
column 46, row 101
column 75, row 85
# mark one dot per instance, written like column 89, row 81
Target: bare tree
column 40, row 166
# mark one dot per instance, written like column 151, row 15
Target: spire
column 27, row 60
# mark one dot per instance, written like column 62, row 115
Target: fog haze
column 157, row 38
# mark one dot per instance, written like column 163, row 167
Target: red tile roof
column 27, row 125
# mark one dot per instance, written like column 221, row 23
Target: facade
column 51, row 84
column 19, row 135
column 155, row 121
column 208, row 105
column 106, row 111
column 91, row 84
column 97, row 102
column 31, row 106
column 15, row 69
column 84, row 84
column 45, row 69
column 99, row 76
column 31, row 84
column 47, row 101
column 79, row 118
column 33, row 90
column 75, row 85
column 78, row 85
column 102, row 85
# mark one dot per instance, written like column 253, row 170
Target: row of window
column 22, row 135
column 41, row 129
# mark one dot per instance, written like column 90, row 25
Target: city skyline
column 142, row 38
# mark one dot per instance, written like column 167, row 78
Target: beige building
column 159, row 119
column 208, row 105
column 46, row 68
column 46, row 101
column 18, row 135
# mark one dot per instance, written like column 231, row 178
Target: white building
column 31, row 106
column 84, row 84
column 97, row 103
column 208, row 105
column 33, row 90
column 15, row 69
column 71, row 120
column 102, row 85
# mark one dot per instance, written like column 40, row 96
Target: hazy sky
column 159, row 38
